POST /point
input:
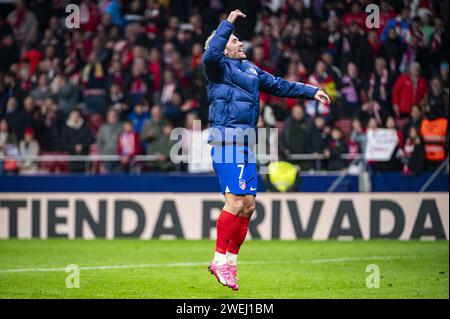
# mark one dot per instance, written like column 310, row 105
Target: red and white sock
column 224, row 227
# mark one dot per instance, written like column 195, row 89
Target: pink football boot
column 233, row 270
column 223, row 275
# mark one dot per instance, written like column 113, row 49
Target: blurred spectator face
column 75, row 116
column 416, row 23
column 48, row 105
column 135, row 5
column 20, row 4
column 138, row 67
column 444, row 70
column 385, row 7
column 154, row 55
column 258, row 54
column 298, row 113
column 28, row 134
column 176, row 99
column 392, row 34
column 167, row 129
column 390, row 122
column 138, row 109
column 115, row 89
column 414, row 70
column 336, row 134
column 415, row 112
column 413, row 134
column 235, row 48
column 372, row 37
column 156, row 113
column 169, row 34
column 333, row 24
column 354, row 28
column 139, row 52
column 308, row 24
column 92, row 58
column 327, row 58
column 168, row 48
column 436, row 86
column 380, row 65
column 50, row 51
column 131, row 31
column 292, row 68
column 4, row 125
column 190, row 118
column 107, row 19
column 53, row 23
column 11, row 105
column 195, row 20
column 266, row 30
column 114, row 31
column 352, row 70
column 438, row 23
column 116, row 66
column 9, row 80
column 372, row 124
column 127, row 126
column 197, row 49
column 321, row 67
column 319, row 122
column 356, row 125
column 112, row 117
column 355, row 8
column 28, row 104
column 168, row 77
column 405, row 13
column 42, row 80
column 174, row 22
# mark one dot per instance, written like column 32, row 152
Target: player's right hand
column 234, row 15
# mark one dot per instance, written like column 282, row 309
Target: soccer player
column 233, row 85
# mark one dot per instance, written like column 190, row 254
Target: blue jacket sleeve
column 213, row 56
column 389, row 25
column 282, row 88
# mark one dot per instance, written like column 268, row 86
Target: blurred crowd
column 132, row 72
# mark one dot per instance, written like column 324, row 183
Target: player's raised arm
column 282, row 88
column 215, row 45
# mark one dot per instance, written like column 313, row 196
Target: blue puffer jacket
column 234, row 85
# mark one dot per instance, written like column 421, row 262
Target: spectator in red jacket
column 409, row 89
column 355, row 16
column 128, row 145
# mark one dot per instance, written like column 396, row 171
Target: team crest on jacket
column 253, row 71
column 242, row 184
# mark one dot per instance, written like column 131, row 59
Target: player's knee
column 249, row 209
column 238, row 206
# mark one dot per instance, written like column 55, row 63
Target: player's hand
column 232, row 17
column 322, row 97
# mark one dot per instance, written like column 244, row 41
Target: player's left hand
column 322, row 97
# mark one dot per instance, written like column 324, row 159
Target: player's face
column 235, row 48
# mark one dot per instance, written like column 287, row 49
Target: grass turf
column 302, row 269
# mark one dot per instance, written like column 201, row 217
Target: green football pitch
column 267, row 269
